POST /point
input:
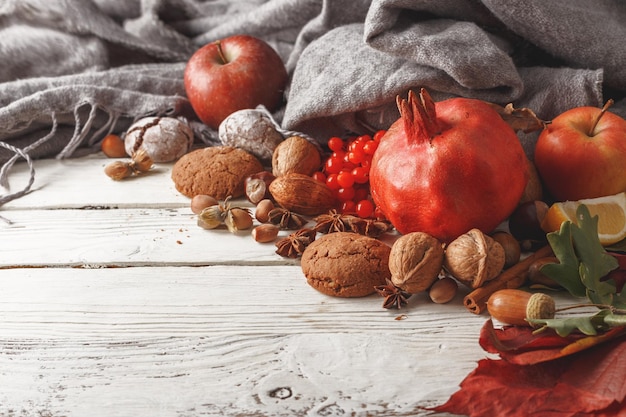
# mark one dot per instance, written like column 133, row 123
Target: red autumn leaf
column 519, row 345
column 519, row 339
column 588, row 383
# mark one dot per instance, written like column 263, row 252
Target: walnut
column 295, row 154
column 474, row 258
column 415, row 261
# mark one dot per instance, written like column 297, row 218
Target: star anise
column 294, row 245
column 394, row 296
column 286, row 219
column 367, row 227
column 330, row 222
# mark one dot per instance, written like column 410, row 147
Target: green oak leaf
column 619, row 300
column 595, row 262
column 589, row 325
column 566, row 272
column 583, row 261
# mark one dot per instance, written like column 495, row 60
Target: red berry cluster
column 346, row 172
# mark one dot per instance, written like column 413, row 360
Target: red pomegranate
column 447, row 167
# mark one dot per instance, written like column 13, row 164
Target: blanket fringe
column 106, row 128
column 21, row 153
column 80, row 131
column 4, row 170
column 5, row 198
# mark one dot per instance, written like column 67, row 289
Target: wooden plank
column 81, row 182
column 123, row 237
column 220, row 340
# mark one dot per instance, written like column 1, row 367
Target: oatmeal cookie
column 218, row 171
column 345, row 264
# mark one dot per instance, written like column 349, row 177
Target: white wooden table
column 114, row 303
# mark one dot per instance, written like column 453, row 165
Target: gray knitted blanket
column 75, row 70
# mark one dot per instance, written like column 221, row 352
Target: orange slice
column 611, row 212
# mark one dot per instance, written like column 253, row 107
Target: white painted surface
column 114, row 303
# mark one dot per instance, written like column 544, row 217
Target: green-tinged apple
column 582, row 154
column 231, row 74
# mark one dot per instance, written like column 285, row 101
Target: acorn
column 516, row 307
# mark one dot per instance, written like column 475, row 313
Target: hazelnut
column 295, row 154
column 443, row 290
column 512, row 248
column 415, row 261
column 474, row 258
column 238, row 219
column 210, row 217
column 141, row 161
column 534, row 188
column 265, row 233
column 118, row 170
column 525, row 221
column 263, row 209
column 515, row 307
column 256, row 186
column 538, row 278
column 201, row 201
column 517, row 281
column 113, row 146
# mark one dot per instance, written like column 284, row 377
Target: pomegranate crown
column 419, row 115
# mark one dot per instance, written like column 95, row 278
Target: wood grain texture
column 219, row 340
column 124, row 237
column 81, row 182
column 113, row 302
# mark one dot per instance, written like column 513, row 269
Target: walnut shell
column 302, row 194
column 415, row 261
column 474, row 258
column 295, row 154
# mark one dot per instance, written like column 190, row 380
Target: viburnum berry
column 348, row 207
column 331, row 182
column 346, row 172
column 319, row 176
column 356, row 156
column 370, row 147
column 364, row 209
column 361, row 193
column 345, row 179
column 378, row 135
column 378, row 214
column 334, row 164
column 345, row 194
column 335, row 144
column 360, row 175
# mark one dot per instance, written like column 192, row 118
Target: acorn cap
column 540, row 306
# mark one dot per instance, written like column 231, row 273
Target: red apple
column 235, row 73
column 582, row 154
